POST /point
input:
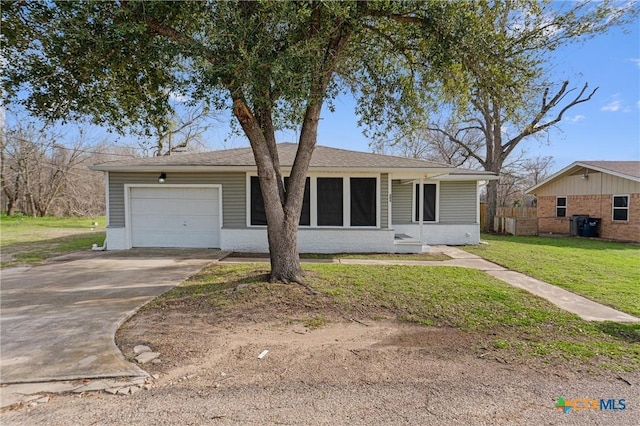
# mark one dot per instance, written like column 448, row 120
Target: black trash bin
column 578, row 224
column 592, row 228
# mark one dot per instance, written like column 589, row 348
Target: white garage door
column 175, row 217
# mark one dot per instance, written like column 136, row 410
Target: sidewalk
column 583, row 307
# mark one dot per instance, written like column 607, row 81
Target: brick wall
column 593, row 206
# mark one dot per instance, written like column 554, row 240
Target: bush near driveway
column 603, row 271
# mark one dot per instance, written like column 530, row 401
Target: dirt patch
column 338, row 353
column 369, row 372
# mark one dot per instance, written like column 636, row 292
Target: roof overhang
column 574, row 167
column 466, row 177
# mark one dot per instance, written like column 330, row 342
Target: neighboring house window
column 330, row 201
column 561, row 207
column 363, row 201
column 430, row 205
column 258, row 215
column 621, row 207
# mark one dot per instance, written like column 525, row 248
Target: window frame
column 346, row 204
column 614, row 208
column 415, row 200
column 566, row 202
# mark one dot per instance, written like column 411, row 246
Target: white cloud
column 612, row 106
column 637, row 61
column 178, row 97
column 576, row 118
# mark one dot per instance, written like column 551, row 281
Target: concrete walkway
column 583, row 307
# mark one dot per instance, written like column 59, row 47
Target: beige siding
column 458, row 202
column 401, row 202
column 233, row 193
column 595, row 184
column 384, row 197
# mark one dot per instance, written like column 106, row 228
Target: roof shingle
column 629, row 168
column 323, row 157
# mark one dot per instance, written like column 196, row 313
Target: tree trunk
column 10, row 207
column 282, row 224
column 492, row 205
column 283, row 252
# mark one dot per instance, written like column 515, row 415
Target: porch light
column 162, row 178
column 585, row 174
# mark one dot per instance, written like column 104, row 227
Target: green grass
column 606, row 272
column 510, row 322
column 28, row 240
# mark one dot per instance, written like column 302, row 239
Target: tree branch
column 535, row 127
column 459, row 142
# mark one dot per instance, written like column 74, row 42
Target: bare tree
column 178, row 132
column 519, row 175
column 431, row 144
column 44, row 172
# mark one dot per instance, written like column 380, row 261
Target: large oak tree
column 273, row 64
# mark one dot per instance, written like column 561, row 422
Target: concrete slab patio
column 58, row 321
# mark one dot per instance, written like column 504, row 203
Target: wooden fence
column 512, row 220
column 516, row 212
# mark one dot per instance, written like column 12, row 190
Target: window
column 258, row 214
column 305, row 213
column 561, row 207
column 363, row 201
column 621, row 207
column 429, row 210
column 339, row 201
column 330, row 201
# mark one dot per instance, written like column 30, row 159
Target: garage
column 175, row 216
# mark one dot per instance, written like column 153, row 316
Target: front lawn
column 29, row 240
column 606, row 272
column 508, row 323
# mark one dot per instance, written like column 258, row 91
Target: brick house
column 608, row 190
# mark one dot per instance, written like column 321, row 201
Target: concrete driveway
column 58, row 321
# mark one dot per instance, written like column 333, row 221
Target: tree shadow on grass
column 565, row 242
column 628, row 332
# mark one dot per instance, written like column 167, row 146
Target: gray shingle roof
column 323, row 157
